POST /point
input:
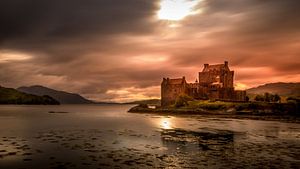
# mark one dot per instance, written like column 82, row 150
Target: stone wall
column 169, row 91
column 215, row 82
column 240, row 95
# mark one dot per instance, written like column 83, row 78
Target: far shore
column 288, row 112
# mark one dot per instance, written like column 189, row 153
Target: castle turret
column 214, row 82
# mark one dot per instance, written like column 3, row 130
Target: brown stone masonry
column 215, row 82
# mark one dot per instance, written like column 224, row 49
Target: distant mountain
column 150, row 101
column 12, row 96
column 61, row 96
column 283, row 89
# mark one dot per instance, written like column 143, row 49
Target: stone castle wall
column 169, row 91
column 215, row 82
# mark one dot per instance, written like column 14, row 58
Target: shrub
column 242, row 106
column 213, row 106
column 182, row 100
column 143, row 105
column 277, row 98
column 259, row 98
column 268, row 97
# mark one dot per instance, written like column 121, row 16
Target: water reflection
column 180, row 139
column 165, row 123
column 107, row 137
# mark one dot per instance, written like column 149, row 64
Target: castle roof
column 217, row 67
column 176, row 81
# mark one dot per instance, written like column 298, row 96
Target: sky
column 119, row 50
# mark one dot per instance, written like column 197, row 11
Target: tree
column 277, row 98
column 259, row 98
column 182, row 100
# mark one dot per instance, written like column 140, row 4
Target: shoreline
column 267, row 115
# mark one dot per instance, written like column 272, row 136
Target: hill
column 61, row 96
column 283, row 89
column 12, row 96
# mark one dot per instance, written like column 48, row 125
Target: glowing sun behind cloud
column 240, row 86
column 10, row 56
column 176, row 10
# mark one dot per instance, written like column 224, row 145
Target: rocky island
column 252, row 110
column 214, row 95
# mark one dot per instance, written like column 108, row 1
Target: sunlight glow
column 165, row 123
column 149, row 59
column 6, row 56
column 129, row 94
column 177, row 9
column 240, row 86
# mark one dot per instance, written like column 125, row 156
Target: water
column 106, row 136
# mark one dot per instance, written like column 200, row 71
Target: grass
column 243, row 106
column 209, row 105
column 187, row 105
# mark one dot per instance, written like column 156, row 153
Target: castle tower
column 214, row 82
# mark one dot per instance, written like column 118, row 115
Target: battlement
column 215, row 82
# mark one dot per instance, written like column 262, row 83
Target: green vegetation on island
column 12, row 96
column 187, row 105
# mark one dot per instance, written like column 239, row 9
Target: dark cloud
column 247, row 33
column 108, row 49
column 69, row 18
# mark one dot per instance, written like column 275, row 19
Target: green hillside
column 283, row 89
column 61, row 96
column 12, row 96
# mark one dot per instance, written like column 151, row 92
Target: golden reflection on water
column 165, row 123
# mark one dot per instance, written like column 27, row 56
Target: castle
column 215, row 83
